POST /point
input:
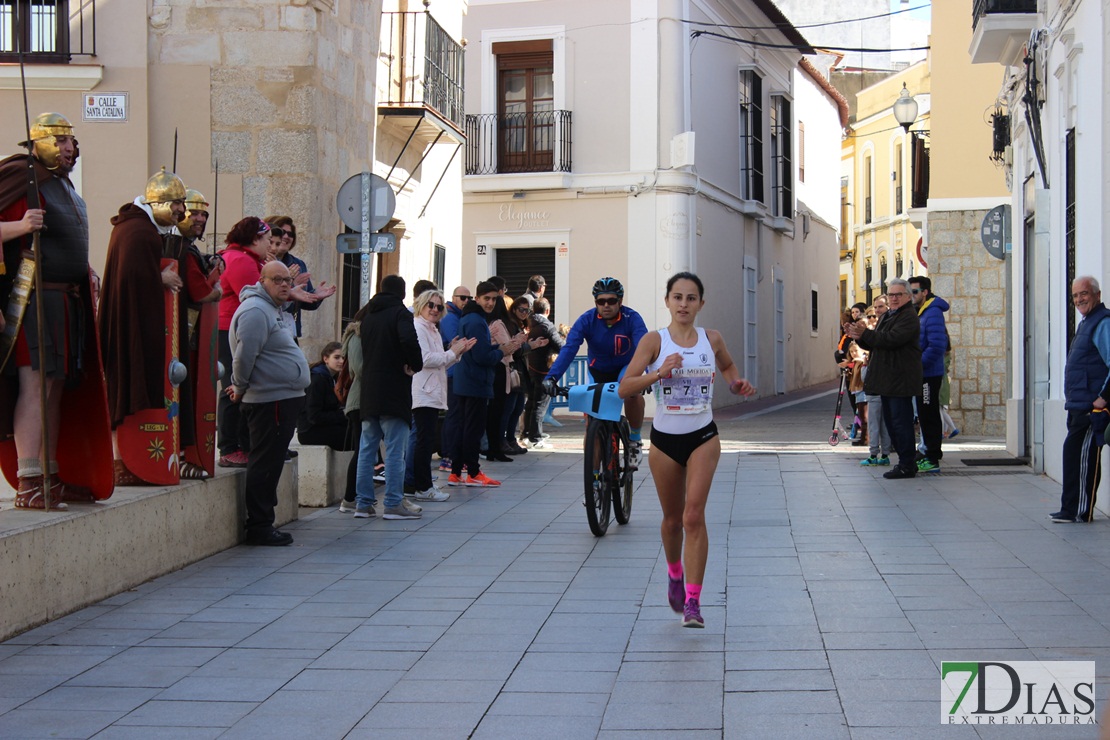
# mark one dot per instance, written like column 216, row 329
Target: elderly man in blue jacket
column 1086, row 392
column 934, row 343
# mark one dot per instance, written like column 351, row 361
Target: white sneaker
column 410, row 506
column 538, row 444
column 432, row 494
column 637, row 456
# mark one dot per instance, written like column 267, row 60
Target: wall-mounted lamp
column 518, row 195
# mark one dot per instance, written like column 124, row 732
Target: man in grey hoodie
column 269, row 375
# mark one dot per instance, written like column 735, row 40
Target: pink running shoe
column 691, row 615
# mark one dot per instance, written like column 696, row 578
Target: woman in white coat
column 429, row 391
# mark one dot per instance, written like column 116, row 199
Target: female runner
column 681, row 362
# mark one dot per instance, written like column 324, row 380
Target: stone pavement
column 830, row 599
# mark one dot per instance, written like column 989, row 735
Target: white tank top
column 684, row 401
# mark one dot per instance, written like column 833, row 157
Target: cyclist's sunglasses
column 607, row 301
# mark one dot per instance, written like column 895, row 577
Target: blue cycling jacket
column 608, row 348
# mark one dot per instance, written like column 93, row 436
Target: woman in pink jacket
column 429, row 392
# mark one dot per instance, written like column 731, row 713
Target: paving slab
column 831, row 598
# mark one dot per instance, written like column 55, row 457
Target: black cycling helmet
column 609, row 285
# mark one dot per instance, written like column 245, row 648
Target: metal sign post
column 365, row 204
column 364, row 273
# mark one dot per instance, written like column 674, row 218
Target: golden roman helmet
column 161, row 190
column 45, row 127
column 194, row 201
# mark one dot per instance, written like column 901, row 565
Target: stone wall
column 973, row 282
column 293, row 110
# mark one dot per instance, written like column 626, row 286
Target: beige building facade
column 628, row 148
column 284, row 101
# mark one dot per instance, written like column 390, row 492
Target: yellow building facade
column 884, row 186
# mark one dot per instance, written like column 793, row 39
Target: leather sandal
column 125, row 477
column 71, row 492
column 31, row 496
column 192, row 471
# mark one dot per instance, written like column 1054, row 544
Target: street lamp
column 905, row 109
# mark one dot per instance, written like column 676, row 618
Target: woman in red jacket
column 248, row 245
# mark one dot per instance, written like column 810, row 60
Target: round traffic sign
column 380, row 199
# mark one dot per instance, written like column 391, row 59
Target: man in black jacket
column 894, row 371
column 390, row 357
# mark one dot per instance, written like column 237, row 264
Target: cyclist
column 611, row 331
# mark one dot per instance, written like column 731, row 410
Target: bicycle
column 607, row 470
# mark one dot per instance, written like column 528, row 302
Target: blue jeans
column 395, row 432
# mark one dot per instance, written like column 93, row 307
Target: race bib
column 689, row 390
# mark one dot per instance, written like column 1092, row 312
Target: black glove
column 549, row 386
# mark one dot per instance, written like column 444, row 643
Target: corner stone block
column 240, row 105
column 301, row 18
column 254, row 195
column 232, row 149
column 992, row 302
column 286, row 152
column 192, row 48
column 269, row 49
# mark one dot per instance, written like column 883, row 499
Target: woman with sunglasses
column 306, row 296
column 429, row 390
column 517, row 322
column 248, row 247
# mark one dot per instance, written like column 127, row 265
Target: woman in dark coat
column 322, row 421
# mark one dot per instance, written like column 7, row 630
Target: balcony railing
column 518, row 142
column 424, row 66
column 47, row 31
column 991, row 7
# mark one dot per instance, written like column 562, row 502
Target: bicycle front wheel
column 622, row 476
column 596, row 469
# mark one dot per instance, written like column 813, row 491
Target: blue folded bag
column 598, row 399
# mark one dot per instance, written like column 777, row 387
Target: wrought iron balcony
column 424, row 67
column 994, row 7
column 47, row 31
column 518, row 142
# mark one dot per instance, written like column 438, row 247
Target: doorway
column 518, row 264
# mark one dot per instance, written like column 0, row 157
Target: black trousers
column 473, row 411
column 1082, row 467
column 271, row 428
column 354, row 437
column 451, row 422
column 423, row 444
column 231, row 426
column 898, row 417
column 334, row 437
column 495, row 423
column 536, row 407
column 928, row 414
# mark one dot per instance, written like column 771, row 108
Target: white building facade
column 631, row 147
column 1053, row 89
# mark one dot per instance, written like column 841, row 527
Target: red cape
column 132, row 316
